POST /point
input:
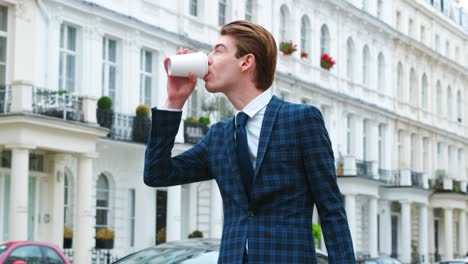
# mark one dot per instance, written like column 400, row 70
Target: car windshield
column 169, row 256
column 3, row 248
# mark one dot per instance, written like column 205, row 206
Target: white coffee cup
column 181, row 65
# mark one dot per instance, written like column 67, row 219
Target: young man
column 272, row 162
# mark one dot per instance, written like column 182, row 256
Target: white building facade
column 394, row 105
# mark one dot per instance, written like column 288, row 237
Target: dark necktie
column 242, row 150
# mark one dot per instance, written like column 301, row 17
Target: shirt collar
column 257, row 104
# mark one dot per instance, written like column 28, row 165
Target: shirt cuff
column 168, row 109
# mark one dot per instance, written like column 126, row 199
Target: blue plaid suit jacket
column 294, row 170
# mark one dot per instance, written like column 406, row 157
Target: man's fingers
column 166, row 62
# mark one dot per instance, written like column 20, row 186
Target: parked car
column 379, row 260
column 191, row 251
column 22, row 252
column 455, row 261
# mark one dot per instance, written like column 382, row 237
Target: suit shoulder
column 301, row 109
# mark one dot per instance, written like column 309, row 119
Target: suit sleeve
column 320, row 169
column 163, row 170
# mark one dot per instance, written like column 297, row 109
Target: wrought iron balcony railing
column 364, row 169
column 417, row 179
column 58, row 104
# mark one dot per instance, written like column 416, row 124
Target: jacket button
column 251, row 213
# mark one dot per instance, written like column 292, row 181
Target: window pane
column 149, row 61
column 61, row 65
column 3, row 46
column 148, row 91
column 101, row 217
column 62, row 35
column 104, row 48
column 71, row 38
column 112, row 50
column 30, row 254
column 70, row 85
column 2, row 75
column 51, row 256
column 112, row 76
column 3, row 18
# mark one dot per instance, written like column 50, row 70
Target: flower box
column 287, row 47
column 326, row 62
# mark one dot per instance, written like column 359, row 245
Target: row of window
column 411, row 31
column 110, row 66
column 421, row 98
column 414, row 147
column 195, row 8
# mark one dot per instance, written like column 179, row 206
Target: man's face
column 223, row 67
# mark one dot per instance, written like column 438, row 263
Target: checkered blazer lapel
column 269, row 119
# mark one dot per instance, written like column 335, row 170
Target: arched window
column 400, row 89
column 365, row 65
column 413, row 88
column 350, row 59
column 305, row 36
column 324, row 40
column 438, row 98
column 459, row 107
column 102, row 202
column 284, row 22
column 424, row 93
column 248, row 10
column 449, row 103
column 381, row 72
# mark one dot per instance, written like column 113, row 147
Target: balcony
column 194, row 132
column 59, row 104
column 364, row 169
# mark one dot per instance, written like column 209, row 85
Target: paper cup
column 181, row 65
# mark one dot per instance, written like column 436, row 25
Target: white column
column 463, row 234
column 174, row 213
column 373, row 147
column 423, row 232
column 216, row 211
column 448, row 231
column 83, row 235
column 19, row 192
column 56, row 200
column 406, row 232
column 350, row 206
column 430, row 214
column 385, row 231
column 373, row 234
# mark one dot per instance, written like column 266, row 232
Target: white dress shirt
column 256, row 111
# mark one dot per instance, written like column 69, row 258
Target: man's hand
column 179, row 88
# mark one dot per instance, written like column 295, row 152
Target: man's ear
column 248, row 62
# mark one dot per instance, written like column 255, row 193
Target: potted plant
column 326, row 62
column 67, row 237
column 195, row 128
column 141, row 124
column 104, row 238
column 196, row 234
column 304, row 55
column 287, row 47
column 161, row 236
column 104, row 112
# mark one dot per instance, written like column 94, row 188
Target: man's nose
column 210, row 60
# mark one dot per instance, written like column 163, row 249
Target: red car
column 22, row 252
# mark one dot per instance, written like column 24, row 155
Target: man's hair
column 253, row 38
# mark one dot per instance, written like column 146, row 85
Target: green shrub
column 191, row 119
column 104, row 103
column 142, row 110
column 204, row 120
column 196, row 234
column 60, row 92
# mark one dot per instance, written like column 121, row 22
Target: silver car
column 191, row 251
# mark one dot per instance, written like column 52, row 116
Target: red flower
column 304, row 54
column 287, row 48
column 326, row 62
